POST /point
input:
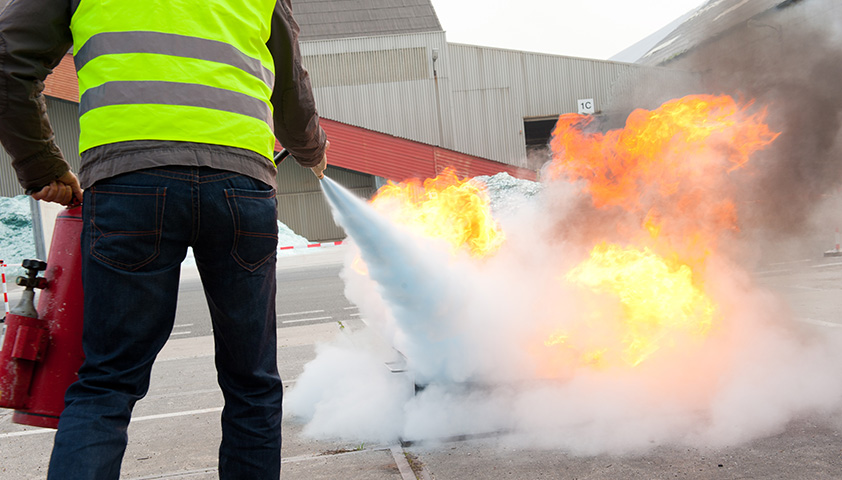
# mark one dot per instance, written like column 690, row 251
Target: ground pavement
column 175, row 431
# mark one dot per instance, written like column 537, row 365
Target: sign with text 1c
column 586, row 106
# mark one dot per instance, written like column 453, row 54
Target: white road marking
column 814, row 289
column 27, row 432
column 307, row 319
column 788, row 270
column 825, row 265
column 176, row 414
column 36, row 430
column 300, row 313
column 820, row 323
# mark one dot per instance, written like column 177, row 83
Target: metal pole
column 38, row 229
column 438, row 99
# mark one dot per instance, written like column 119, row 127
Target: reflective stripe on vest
column 178, row 71
column 168, row 93
column 174, row 45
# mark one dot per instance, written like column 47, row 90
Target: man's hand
column 64, row 190
column 319, row 169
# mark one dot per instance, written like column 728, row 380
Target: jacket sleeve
column 34, row 36
column 295, row 116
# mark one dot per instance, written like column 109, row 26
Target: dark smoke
column 788, row 63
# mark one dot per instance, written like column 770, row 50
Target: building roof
column 325, row 19
column 709, row 21
column 632, row 53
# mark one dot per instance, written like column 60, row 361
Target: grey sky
column 593, row 29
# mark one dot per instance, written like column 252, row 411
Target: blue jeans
column 137, row 228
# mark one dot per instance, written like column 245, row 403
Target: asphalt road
column 812, row 289
column 307, row 294
column 310, row 292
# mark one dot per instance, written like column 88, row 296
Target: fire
column 668, row 176
column 658, row 151
column 668, row 166
column 658, row 299
column 444, row 207
column 669, row 169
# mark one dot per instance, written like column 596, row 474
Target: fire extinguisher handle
column 36, row 265
column 37, row 282
column 32, row 280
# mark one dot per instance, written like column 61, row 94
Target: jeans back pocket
column 126, row 224
column 254, row 215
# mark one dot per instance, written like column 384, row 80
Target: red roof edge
column 400, row 159
column 62, row 83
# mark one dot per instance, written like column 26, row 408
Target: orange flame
column 444, row 207
column 669, row 165
column 669, row 168
column 658, row 151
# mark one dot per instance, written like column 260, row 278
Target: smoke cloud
column 469, row 335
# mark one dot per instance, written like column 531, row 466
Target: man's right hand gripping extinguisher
column 41, row 354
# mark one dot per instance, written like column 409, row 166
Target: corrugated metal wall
column 472, row 99
column 384, row 83
column 495, row 89
column 63, row 116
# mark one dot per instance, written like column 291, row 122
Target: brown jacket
column 35, row 35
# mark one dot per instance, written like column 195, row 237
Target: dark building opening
column 537, row 133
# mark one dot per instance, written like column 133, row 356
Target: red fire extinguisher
column 41, row 354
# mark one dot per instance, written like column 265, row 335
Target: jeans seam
column 195, row 212
column 218, row 177
column 163, row 174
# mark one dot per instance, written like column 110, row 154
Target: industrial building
column 399, row 101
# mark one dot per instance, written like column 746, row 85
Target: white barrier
column 3, row 280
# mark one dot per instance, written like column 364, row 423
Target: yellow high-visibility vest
column 175, row 70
